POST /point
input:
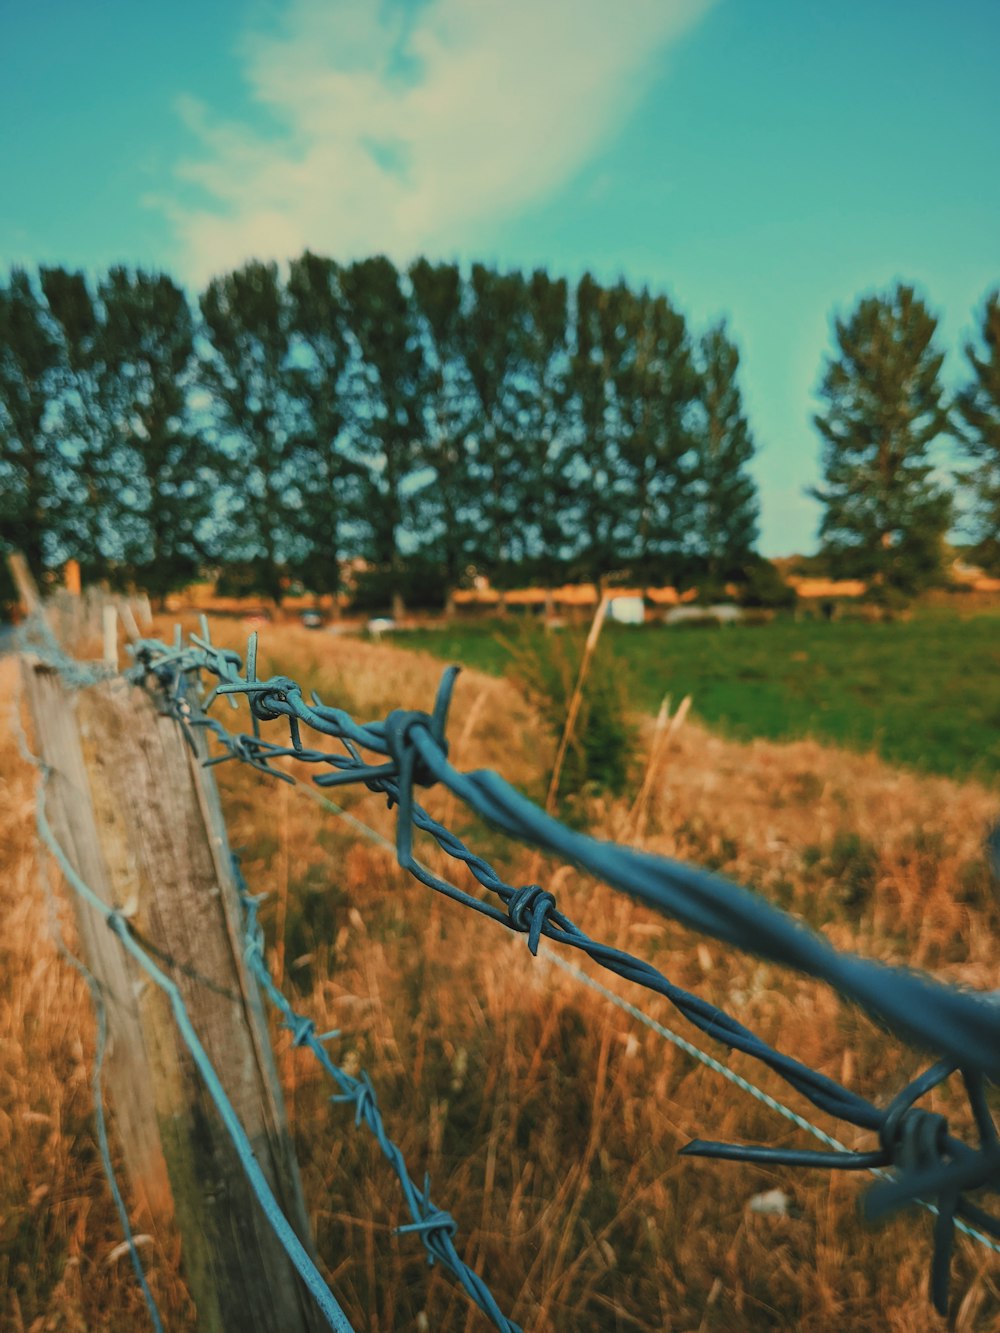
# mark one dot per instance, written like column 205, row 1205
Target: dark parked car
column 312, row 619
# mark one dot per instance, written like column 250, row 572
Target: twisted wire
column 963, row 1026
column 293, row 1247
column 435, row 1227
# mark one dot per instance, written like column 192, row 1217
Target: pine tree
column 164, row 507
column 90, row 414
column 728, row 508
column 447, row 509
column 654, row 394
column 246, row 372
column 390, row 394
column 32, row 468
column 328, row 480
column 978, row 405
column 885, row 516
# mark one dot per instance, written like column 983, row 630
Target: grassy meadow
column 548, row 1121
column 923, row 692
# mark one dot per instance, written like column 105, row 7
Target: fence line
column 435, row 1227
column 717, row 1066
column 118, row 924
column 926, row 1161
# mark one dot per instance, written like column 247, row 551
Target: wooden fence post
column 140, row 821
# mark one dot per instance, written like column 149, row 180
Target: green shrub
column 545, row 667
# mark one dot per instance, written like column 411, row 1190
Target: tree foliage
column 978, row 410
column 885, row 516
column 436, row 424
column 727, row 506
column 245, row 370
column 31, row 463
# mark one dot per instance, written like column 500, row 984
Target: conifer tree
column 978, row 407
column 163, row 509
column 655, row 391
column 90, row 415
column 246, row 371
column 32, row 468
column 728, row 508
column 328, row 475
column 448, row 508
column 390, row 396
column 593, row 467
column 885, row 516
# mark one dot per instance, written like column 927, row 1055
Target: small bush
column 764, row 587
column 545, row 667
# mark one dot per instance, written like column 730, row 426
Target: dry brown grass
column 549, row 1122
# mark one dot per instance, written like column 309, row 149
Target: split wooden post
column 140, row 821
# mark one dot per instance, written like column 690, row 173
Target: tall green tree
column 654, row 392
column 884, row 516
column 329, row 481
column 543, row 424
column 593, row 462
column 497, row 357
column 390, row 399
column 245, row 369
column 32, row 468
column 448, row 507
column 90, row 412
column 165, row 505
column 728, row 509
column 978, row 428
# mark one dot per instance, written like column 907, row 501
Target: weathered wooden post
column 140, row 821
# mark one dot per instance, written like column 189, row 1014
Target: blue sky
column 763, row 160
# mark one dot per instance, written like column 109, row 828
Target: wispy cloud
column 407, row 128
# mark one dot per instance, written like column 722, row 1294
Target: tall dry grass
column 549, row 1122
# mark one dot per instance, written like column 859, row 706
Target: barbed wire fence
column 914, row 1156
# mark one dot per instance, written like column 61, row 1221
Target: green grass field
column 923, row 692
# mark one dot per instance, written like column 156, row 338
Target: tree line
column 437, row 422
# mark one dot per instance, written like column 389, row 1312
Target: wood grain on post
column 141, row 822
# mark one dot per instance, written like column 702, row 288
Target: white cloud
column 405, row 130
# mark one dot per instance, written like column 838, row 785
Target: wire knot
column 914, row 1139
column 362, row 1094
column 434, row 1226
column 399, row 727
column 527, row 911
column 273, row 691
column 302, row 1029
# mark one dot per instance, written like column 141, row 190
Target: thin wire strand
column 293, row 1247
column 718, row 1067
column 696, row 1053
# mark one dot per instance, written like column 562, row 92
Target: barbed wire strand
column 435, row 1227
column 724, row 1070
column 926, row 1012
column 929, row 1161
column 101, row 1042
column 293, row 1247
column 717, row 1066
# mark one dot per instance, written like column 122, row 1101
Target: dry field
column 549, row 1121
